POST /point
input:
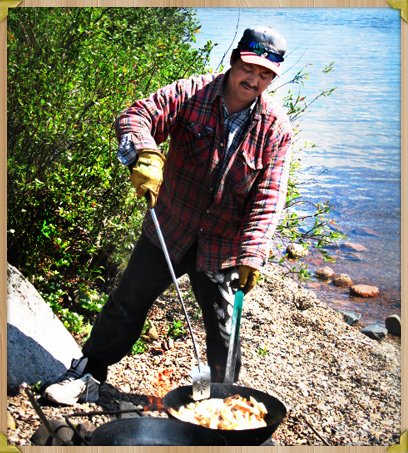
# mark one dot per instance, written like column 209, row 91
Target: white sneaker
column 74, row 386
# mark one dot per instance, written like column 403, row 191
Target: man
column 218, row 196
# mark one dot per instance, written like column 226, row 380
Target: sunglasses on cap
column 260, row 50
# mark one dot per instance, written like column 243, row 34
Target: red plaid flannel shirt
column 233, row 216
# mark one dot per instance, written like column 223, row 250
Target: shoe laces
column 71, row 374
column 88, row 378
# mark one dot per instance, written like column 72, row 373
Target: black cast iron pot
column 152, row 431
column 276, row 411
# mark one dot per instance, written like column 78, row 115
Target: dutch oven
column 153, row 431
column 136, row 431
column 182, row 396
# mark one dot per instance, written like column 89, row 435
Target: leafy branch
column 304, row 223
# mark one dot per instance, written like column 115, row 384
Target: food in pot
column 233, row 413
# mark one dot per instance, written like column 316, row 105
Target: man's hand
column 247, row 278
column 147, row 174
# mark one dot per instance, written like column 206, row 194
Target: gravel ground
column 339, row 386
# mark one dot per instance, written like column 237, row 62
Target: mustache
column 247, row 85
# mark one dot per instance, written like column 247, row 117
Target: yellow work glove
column 247, row 278
column 147, row 174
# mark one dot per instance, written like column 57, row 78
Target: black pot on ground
column 152, row 431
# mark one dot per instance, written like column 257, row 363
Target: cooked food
column 233, row 412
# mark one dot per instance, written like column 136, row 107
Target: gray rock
column 296, row 251
column 375, row 332
column 354, row 247
column 64, row 435
column 365, row 232
column 325, row 273
column 342, row 280
column 39, row 347
column 393, row 325
column 350, row 318
column 127, row 406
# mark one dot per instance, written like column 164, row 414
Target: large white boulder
column 39, row 347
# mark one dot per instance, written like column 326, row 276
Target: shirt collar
column 248, row 111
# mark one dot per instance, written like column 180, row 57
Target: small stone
column 85, row 430
column 126, row 407
column 393, row 325
column 41, row 437
column 351, row 246
column 375, row 332
column 303, row 388
column 153, row 335
column 342, row 280
column 296, row 251
column 325, row 272
column 322, row 407
column 156, row 360
column 365, row 232
column 350, row 318
column 364, row 290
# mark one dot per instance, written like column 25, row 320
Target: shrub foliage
column 70, row 71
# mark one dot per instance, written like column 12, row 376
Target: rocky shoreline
column 340, row 387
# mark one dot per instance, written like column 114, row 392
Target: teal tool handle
column 234, row 338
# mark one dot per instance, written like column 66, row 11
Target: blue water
column 355, row 164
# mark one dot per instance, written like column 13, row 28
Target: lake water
column 355, row 164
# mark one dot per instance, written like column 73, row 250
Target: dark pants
column 120, row 323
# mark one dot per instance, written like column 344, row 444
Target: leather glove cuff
column 248, row 277
column 147, row 174
column 150, row 157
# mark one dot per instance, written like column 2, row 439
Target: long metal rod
column 173, row 276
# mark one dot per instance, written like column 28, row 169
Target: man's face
column 247, row 81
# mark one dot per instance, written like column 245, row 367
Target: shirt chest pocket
column 243, row 173
column 195, row 143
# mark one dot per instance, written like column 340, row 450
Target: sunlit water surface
column 355, row 164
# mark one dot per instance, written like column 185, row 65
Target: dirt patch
column 339, row 386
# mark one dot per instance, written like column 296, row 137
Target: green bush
column 176, row 329
column 71, row 214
